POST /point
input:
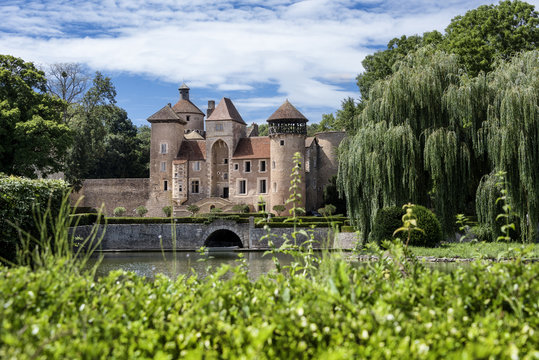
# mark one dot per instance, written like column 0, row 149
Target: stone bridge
column 217, row 234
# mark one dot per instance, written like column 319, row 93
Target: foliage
column 119, row 211
column 279, row 208
column 34, row 140
column 241, row 208
column 409, row 223
column 167, row 210
column 390, row 218
column 20, row 199
column 193, row 209
column 475, row 250
column 327, row 210
column 295, row 197
column 339, row 311
column 141, row 210
column 491, row 33
column 428, row 126
column 332, row 196
column 482, row 233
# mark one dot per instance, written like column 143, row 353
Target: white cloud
column 308, row 48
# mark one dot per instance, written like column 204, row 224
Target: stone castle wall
column 128, row 193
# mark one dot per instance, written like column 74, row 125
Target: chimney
column 211, row 107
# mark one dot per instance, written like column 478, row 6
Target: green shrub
column 241, row 208
column 193, row 209
column 141, row 210
column 327, row 210
column 20, row 198
column 345, row 311
column 389, row 219
column 279, row 209
column 348, row 228
column 168, row 211
column 119, row 211
column 482, row 233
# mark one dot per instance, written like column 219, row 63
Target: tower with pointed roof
column 287, row 133
column 188, row 111
column 166, row 139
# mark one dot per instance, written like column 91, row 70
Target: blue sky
column 258, row 53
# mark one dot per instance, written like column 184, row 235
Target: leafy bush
column 341, row 311
column 119, row 211
column 20, row 198
column 193, row 209
column 279, row 209
column 241, row 208
column 141, row 210
column 482, row 233
column 389, row 219
column 327, row 210
column 168, row 211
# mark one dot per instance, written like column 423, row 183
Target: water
column 148, row 264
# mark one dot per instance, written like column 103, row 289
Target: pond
column 148, row 264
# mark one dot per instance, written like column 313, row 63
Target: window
column 225, row 176
column 281, row 142
column 242, row 187
column 236, row 166
column 163, row 149
column 273, row 164
column 196, row 166
column 218, row 127
column 187, row 117
column 247, row 166
column 274, row 187
column 262, row 166
column 165, row 185
column 180, row 187
column 262, row 186
column 195, row 186
column 163, row 166
column 225, row 161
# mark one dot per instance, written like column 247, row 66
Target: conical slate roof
column 166, row 114
column 287, row 112
column 186, row 107
column 226, row 111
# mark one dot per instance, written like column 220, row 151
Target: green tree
column 33, row 139
column 492, row 32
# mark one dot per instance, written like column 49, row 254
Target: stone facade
column 226, row 160
column 220, row 162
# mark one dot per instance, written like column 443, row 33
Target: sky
column 257, row 53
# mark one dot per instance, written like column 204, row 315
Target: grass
column 474, row 250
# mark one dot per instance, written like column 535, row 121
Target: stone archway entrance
column 219, row 169
column 223, row 238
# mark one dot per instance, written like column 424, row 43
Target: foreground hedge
column 390, row 309
column 19, row 198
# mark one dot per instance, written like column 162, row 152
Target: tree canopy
column 34, row 139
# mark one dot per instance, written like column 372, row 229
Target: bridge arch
column 223, row 238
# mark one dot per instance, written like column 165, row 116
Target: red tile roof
column 192, row 150
column 288, row 112
column 226, row 110
column 257, row 147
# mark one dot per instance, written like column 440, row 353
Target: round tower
column 287, row 133
column 189, row 112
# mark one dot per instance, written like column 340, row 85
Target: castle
column 219, row 161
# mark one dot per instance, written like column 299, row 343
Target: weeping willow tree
column 510, row 137
column 429, row 133
column 410, row 145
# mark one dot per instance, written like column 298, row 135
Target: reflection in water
column 148, row 264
